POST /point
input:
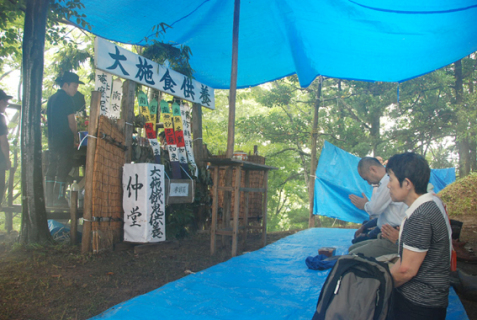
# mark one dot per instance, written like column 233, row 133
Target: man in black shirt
column 4, row 146
column 62, row 136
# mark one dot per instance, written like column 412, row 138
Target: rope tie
column 86, row 136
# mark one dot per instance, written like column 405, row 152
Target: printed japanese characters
column 144, row 202
column 125, row 64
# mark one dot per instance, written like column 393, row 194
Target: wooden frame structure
column 236, row 188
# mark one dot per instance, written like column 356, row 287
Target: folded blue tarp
column 271, row 283
column 337, row 177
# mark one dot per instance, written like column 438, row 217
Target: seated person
column 368, row 230
column 380, row 206
column 421, row 275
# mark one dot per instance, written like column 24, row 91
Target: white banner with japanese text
column 185, row 113
column 102, row 83
column 126, row 64
column 144, row 202
column 116, row 94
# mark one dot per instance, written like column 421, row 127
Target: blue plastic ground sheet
column 271, row 283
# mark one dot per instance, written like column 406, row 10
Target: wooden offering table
column 230, row 164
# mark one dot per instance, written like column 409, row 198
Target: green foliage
column 11, row 24
column 178, row 218
column 182, row 219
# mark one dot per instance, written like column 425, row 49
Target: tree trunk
column 473, row 154
column 473, row 142
column 374, row 132
column 34, row 227
column 463, row 145
column 313, row 164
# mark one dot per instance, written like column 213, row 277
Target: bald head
column 367, row 162
column 371, row 170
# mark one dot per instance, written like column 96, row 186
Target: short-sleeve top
column 59, row 107
column 425, row 230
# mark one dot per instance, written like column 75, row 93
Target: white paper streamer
column 116, row 94
column 156, row 148
column 185, row 113
column 102, row 83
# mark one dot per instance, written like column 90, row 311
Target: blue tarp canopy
column 337, row 177
column 371, row 40
column 271, row 283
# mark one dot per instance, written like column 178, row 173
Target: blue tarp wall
column 337, row 177
column 271, row 283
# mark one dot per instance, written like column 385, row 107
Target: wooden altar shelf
column 220, row 163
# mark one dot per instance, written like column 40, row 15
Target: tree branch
column 288, row 149
column 353, row 115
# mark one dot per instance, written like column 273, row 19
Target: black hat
column 69, row 77
column 4, row 96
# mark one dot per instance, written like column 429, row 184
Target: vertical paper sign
column 102, row 83
column 144, row 202
column 168, row 125
column 185, row 114
column 143, row 105
column 156, row 148
column 150, row 130
column 171, row 141
column 116, row 94
column 153, row 110
column 181, row 151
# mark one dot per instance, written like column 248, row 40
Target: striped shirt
column 425, row 230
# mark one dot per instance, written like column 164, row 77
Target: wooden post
column 89, row 170
column 197, row 134
column 215, row 204
column 236, row 191
column 233, row 82
column 264, row 207
column 127, row 114
column 74, row 216
column 246, row 208
column 314, row 135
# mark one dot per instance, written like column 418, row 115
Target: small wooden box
column 327, row 251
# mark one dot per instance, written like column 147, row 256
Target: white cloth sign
column 128, row 65
column 116, row 94
column 144, row 202
column 102, row 83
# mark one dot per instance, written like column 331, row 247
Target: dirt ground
column 58, row 282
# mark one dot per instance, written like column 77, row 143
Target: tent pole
column 314, row 135
column 233, row 82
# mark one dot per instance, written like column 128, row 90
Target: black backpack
column 357, row 288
